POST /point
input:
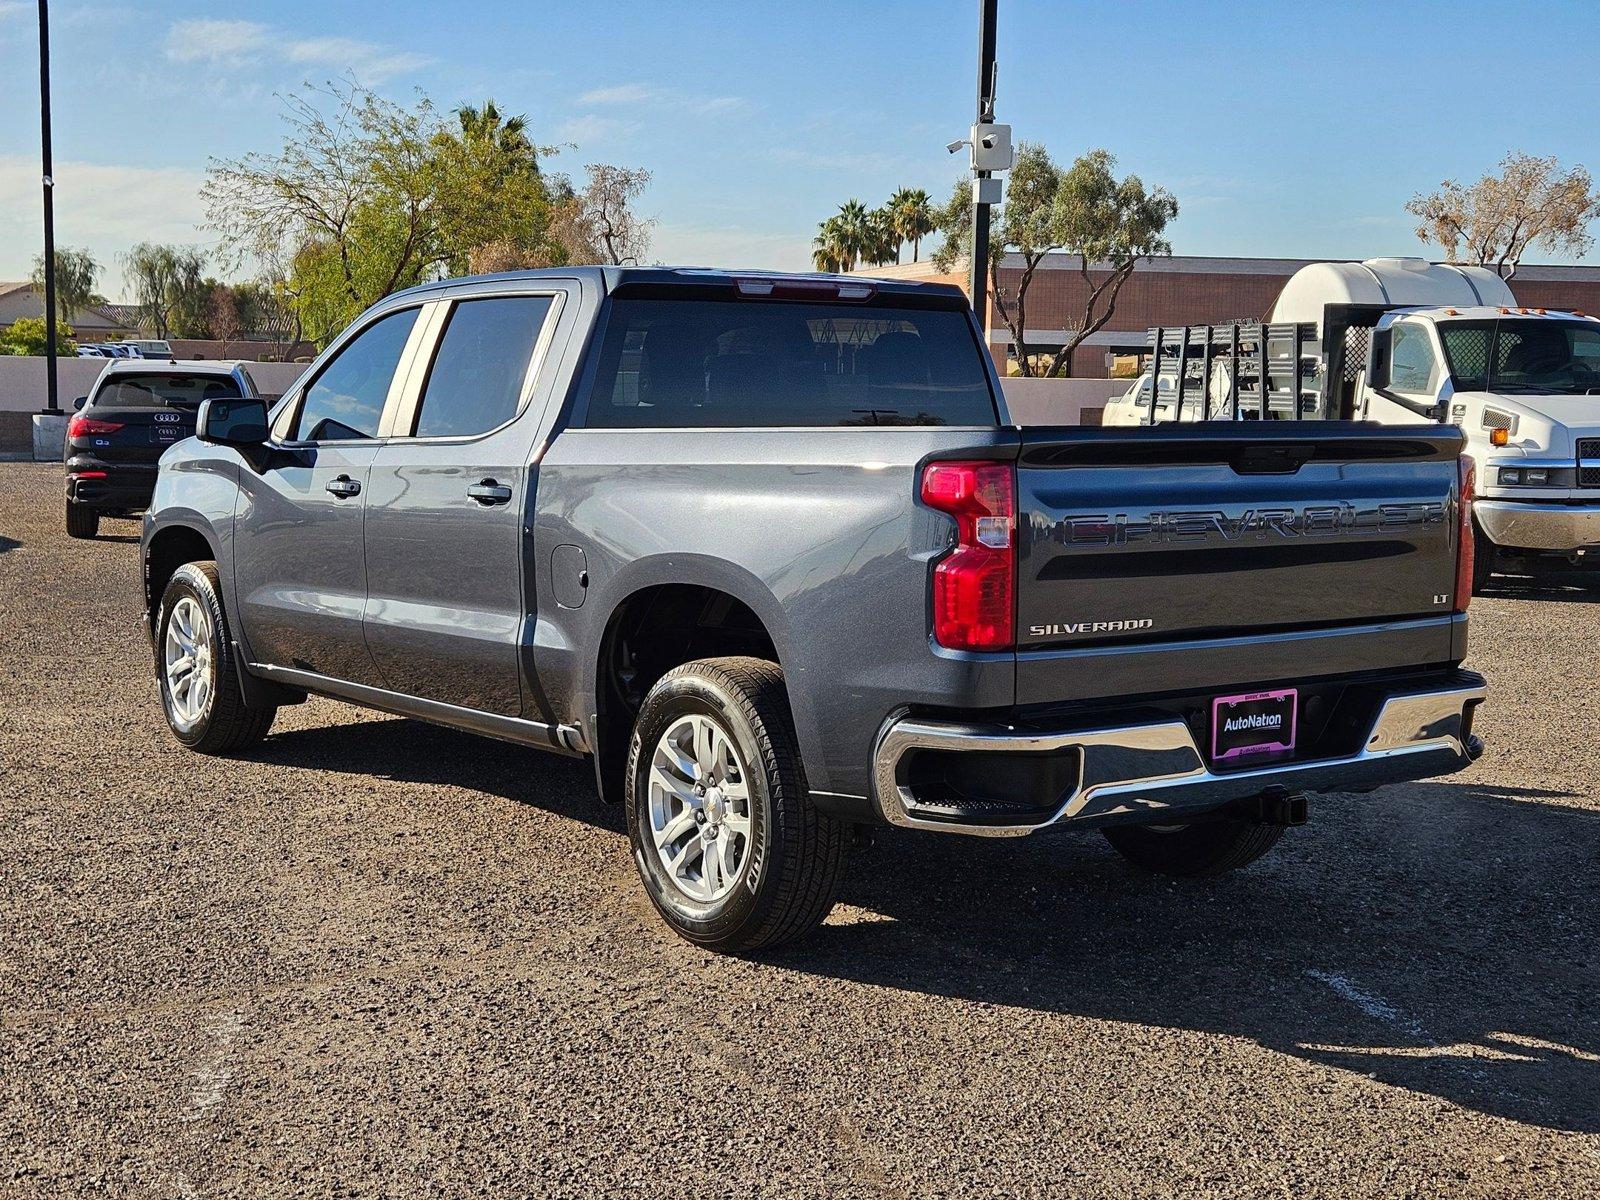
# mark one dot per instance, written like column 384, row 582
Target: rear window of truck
column 163, row 390
column 733, row 364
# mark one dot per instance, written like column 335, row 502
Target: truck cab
column 1523, row 385
column 1398, row 341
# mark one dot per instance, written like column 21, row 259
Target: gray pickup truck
column 770, row 552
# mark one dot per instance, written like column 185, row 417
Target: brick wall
column 1173, row 297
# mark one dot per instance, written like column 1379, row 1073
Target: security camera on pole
column 989, row 148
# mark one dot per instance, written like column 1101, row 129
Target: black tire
column 789, row 875
column 1483, row 558
column 226, row 723
column 82, row 521
column 1208, row 848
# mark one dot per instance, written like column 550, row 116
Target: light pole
column 987, row 18
column 52, row 401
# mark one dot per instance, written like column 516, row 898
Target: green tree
column 76, row 275
column 883, row 238
column 508, row 135
column 1108, row 221
column 367, row 196
column 853, row 233
column 495, row 207
column 1024, row 226
column 27, row 336
column 1109, row 224
column 913, row 216
column 827, row 248
column 349, row 202
column 168, row 287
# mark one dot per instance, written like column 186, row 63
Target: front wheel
column 731, row 850
column 198, row 670
column 1208, row 848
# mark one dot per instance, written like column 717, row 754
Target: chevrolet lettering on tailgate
column 1120, row 529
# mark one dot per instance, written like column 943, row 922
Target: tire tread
column 232, row 725
column 82, row 521
column 807, row 882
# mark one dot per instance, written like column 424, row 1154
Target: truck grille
column 1589, row 462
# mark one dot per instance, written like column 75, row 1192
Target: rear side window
column 1411, row 358
column 163, row 391
column 346, row 400
column 477, row 379
column 731, row 363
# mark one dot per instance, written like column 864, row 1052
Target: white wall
column 1057, row 401
column 22, row 383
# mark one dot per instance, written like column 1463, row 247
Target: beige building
column 100, row 323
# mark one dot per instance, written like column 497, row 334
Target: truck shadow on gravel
column 1557, row 589
column 1454, row 955
column 1440, row 937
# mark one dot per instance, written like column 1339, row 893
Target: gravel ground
column 379, row 959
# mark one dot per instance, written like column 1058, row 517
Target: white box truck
column 1401, row 341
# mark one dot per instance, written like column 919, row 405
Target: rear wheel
column 732, row 852
column 1208, row 848
column 197, row 668
column 82, row 521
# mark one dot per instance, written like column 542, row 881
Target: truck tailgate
column 1217, row 531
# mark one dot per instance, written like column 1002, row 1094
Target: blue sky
column 1284, row 129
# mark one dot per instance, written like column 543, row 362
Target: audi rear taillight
column 1465, row 547
column 974, row 585
column 84, row 426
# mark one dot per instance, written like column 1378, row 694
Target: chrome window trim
column 406, row 417
column 289, row 415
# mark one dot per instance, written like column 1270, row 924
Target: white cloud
column 219, row 42
column 215, row 41
column 591, row 127
column 371, row 63
column 12, row 8
column 729, row 246
column 671, row 98
column 627, row 93
column 105, row 208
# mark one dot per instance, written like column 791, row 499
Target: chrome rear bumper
column 1156, row 769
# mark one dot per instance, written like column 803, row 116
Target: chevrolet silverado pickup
column 770, row 552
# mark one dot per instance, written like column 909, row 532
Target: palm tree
column 827, row 248
column 885, row 241
column 855, row 233
column 913, row 217
column 509, row 135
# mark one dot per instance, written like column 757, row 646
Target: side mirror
column 79, row 403
column 1380, row 359
column 233, row 422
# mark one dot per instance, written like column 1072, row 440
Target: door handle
column 487, row 492
column 343, row 487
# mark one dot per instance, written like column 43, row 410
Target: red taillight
column 83, row 426
column 87, row 474
column 1465, row 549
column 974, row 586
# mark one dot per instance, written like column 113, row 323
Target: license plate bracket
column 1254, row 724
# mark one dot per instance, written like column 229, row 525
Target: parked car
column 769, row 551
column 116, row 437
column 145, row 347
column 1399, row 341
